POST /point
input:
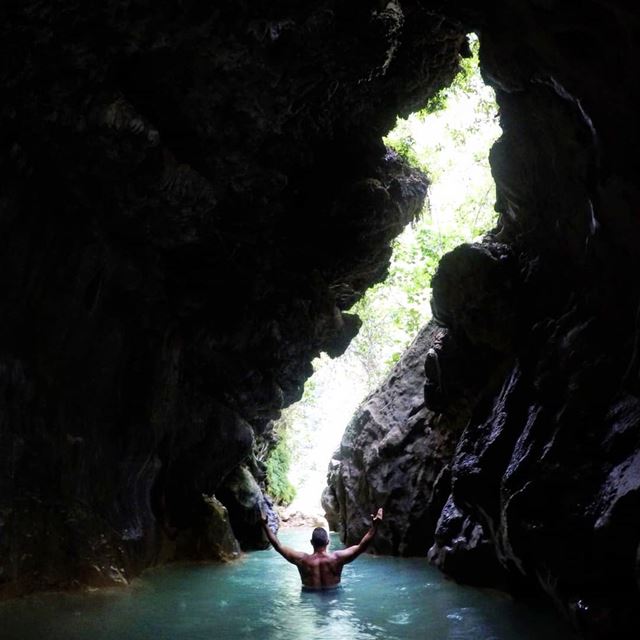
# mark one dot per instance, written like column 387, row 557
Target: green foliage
column 449, row 140
column 437, row 103
column 461, row 83
column 278, row 463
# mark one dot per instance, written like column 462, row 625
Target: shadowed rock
column 393, row 454
column 192, row 197
column 545, row 470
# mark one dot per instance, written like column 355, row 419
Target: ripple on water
column 400, row 618
column 260, row 598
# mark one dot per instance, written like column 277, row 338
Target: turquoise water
column 260, row 598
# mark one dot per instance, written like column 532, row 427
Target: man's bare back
column 322, row 569
column 319, row 570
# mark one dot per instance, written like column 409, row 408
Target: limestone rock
column 191, row 199
column 393, row 454
column 220, row 534
column 215, row 539
column 245, row 499
column 464, row 550
column 474, row 294
column 544, row 314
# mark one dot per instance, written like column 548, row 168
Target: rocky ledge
column 520, row 465
column 192, row 197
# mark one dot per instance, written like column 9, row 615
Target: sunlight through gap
column 450, row 141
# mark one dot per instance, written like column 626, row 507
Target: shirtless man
column 322, row 569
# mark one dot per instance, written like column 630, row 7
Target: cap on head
column 319, row 538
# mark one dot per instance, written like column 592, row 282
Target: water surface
column 260, row 598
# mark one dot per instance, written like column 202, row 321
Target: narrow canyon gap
column 193, row 195
column 450, row 141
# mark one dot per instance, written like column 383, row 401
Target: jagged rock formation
column 192, row 195
column 393, row 454
column 397, row 453
column 547, row 465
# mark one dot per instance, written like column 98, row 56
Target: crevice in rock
column 221, row 167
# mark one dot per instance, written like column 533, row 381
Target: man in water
column 322, row 569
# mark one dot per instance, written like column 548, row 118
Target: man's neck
column 320, row 551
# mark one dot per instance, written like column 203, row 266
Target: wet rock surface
column 393, row 454
column 192, row 196
column 542, row 347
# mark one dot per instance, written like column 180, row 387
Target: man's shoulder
column 303, row 556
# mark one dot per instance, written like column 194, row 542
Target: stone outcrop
column 398, row 453
column 192, row 196
column 544, row 342
column 394, row 454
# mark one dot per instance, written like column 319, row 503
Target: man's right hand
column 377, row 518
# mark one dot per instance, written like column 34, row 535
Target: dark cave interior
column 192, row 198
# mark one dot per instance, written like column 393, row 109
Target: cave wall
column 546, row 467
column 192, row 195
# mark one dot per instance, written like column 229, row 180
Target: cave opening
column 194, row 198
column 448, row 140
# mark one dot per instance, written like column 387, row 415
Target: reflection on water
column 260, row 598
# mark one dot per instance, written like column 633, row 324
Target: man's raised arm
column 351, row 553
column 291, row 555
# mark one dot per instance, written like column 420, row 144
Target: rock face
column 192, row 195
column 540, row 330
column 398, row 453
column 394, row 454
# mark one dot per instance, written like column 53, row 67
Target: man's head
column 319, row 538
